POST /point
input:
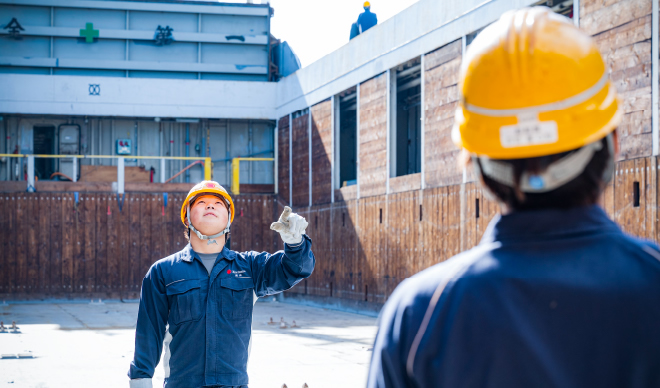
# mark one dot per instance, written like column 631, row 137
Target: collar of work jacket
column 548, row 224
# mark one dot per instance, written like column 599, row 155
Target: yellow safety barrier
column 208, row 165
column 206, row 160
column 236, row 171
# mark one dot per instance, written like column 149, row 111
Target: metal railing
column 208, row 165
column 236, row 171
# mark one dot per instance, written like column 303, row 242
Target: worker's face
column 209, row 214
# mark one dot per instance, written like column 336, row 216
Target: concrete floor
column 83, row 345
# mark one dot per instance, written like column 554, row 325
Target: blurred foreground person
column 554, row 295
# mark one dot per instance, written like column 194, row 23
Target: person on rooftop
column 367, row 19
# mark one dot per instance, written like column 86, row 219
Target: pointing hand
column 290, row 226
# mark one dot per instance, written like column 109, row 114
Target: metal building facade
column 167, row 40
column 195, row 40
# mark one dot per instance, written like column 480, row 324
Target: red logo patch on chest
column 228, row 271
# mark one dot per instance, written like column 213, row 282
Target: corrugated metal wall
column 219, row 139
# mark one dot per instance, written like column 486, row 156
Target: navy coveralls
column 366, row 20
column 204, row 321
column 552, row 298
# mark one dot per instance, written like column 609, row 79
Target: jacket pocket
column 236, row 298
column 186, row 300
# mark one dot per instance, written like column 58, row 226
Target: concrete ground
column 83, row 345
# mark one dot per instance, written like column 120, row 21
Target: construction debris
column 294, row 324
column 271, row 322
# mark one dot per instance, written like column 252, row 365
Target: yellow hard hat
column 532, row 84
column 207, row 187
column 366, row 4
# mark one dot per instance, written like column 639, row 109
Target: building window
column 346, row 137
column 405, row 123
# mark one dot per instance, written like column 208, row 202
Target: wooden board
column 372, row 137
column 622, row 31
column 322, row 152
column 364, row 247
column 300, row 161
column 441, row 68
column 283, row 159
column 109, row 174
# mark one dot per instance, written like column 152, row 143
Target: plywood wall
column 372, row 137
column 300, row 160
column 283, row 159
column 322, row 152
column 622, row 30
column 52, row 246
column 366, row 247
column 441, row 68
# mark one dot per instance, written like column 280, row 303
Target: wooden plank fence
column 53, row 246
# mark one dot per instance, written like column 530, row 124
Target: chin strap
column 204, row 237
column 556, row 175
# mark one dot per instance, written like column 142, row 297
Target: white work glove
column 140, row 383
column 291, row 227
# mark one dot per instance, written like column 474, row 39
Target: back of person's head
column 537, row 112
column 366, row 6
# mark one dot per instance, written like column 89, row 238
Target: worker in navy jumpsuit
column 555, row 294
column 206, row 320
column 197, row 312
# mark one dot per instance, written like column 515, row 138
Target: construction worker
column 197, row 303
column 367, row 19
column 554, row 295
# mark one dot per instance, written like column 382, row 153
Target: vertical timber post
column 654, row 76
column 290, row 161
column 309, row 152
column 357, row 139
column 422, row 124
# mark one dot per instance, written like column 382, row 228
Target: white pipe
column 654, row 76
column 576, row 12
column 30, row 172
column 74, row 162
column 120, row 175
column 162, row 170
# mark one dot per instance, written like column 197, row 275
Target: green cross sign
column 89, row 33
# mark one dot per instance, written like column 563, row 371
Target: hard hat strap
column 533, row 110
column 202, row 236
column 556, row 175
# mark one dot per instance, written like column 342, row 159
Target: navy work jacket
column 551, row 298
column 205, row 321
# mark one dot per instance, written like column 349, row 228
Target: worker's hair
column 186, row 230
column 584, row 190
